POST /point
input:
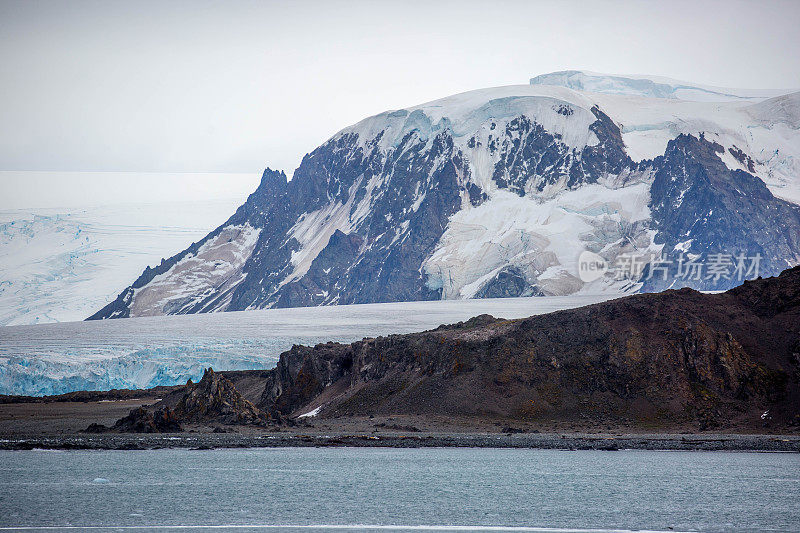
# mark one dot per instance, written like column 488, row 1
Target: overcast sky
column 236, row 86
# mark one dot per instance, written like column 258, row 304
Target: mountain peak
column 273, row 179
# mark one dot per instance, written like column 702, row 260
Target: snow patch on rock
column 216, row 267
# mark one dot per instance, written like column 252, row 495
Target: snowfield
column 144, row 352
column 541, row 236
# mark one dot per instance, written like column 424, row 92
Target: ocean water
column 357, row 489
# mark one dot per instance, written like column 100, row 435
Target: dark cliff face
column 531, row 158
column 698, row 201
column 663, row 360
column 378, row 262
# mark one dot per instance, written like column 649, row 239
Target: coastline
column 550, row 441
column 60, row 425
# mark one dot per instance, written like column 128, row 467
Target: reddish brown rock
column 662, row 360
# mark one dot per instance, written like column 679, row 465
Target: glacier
column 134, row 353
column 651, row 86
column 61, row 264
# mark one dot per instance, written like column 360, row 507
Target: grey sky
column 236, row 86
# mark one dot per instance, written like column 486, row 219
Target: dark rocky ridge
column 657, row 359
column 673, row 360
column 213, row 400
column 94, row 396
column 694, row 196
column 142, row 420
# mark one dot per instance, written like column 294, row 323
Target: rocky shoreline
column 552, row 441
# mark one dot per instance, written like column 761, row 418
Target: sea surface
column 380, row 489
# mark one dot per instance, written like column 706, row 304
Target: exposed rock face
column 532, row 158
column 497, row 193
column 658, row 360
column 214, row 400
column 142, row 420
column 508, row 283
column 698, row 201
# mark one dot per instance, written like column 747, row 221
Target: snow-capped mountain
column 499, row 192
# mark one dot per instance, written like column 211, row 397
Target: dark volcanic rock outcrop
column 657, row 360
column 214, row 400
column 142, row 420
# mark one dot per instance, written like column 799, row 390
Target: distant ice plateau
column 63, row 264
